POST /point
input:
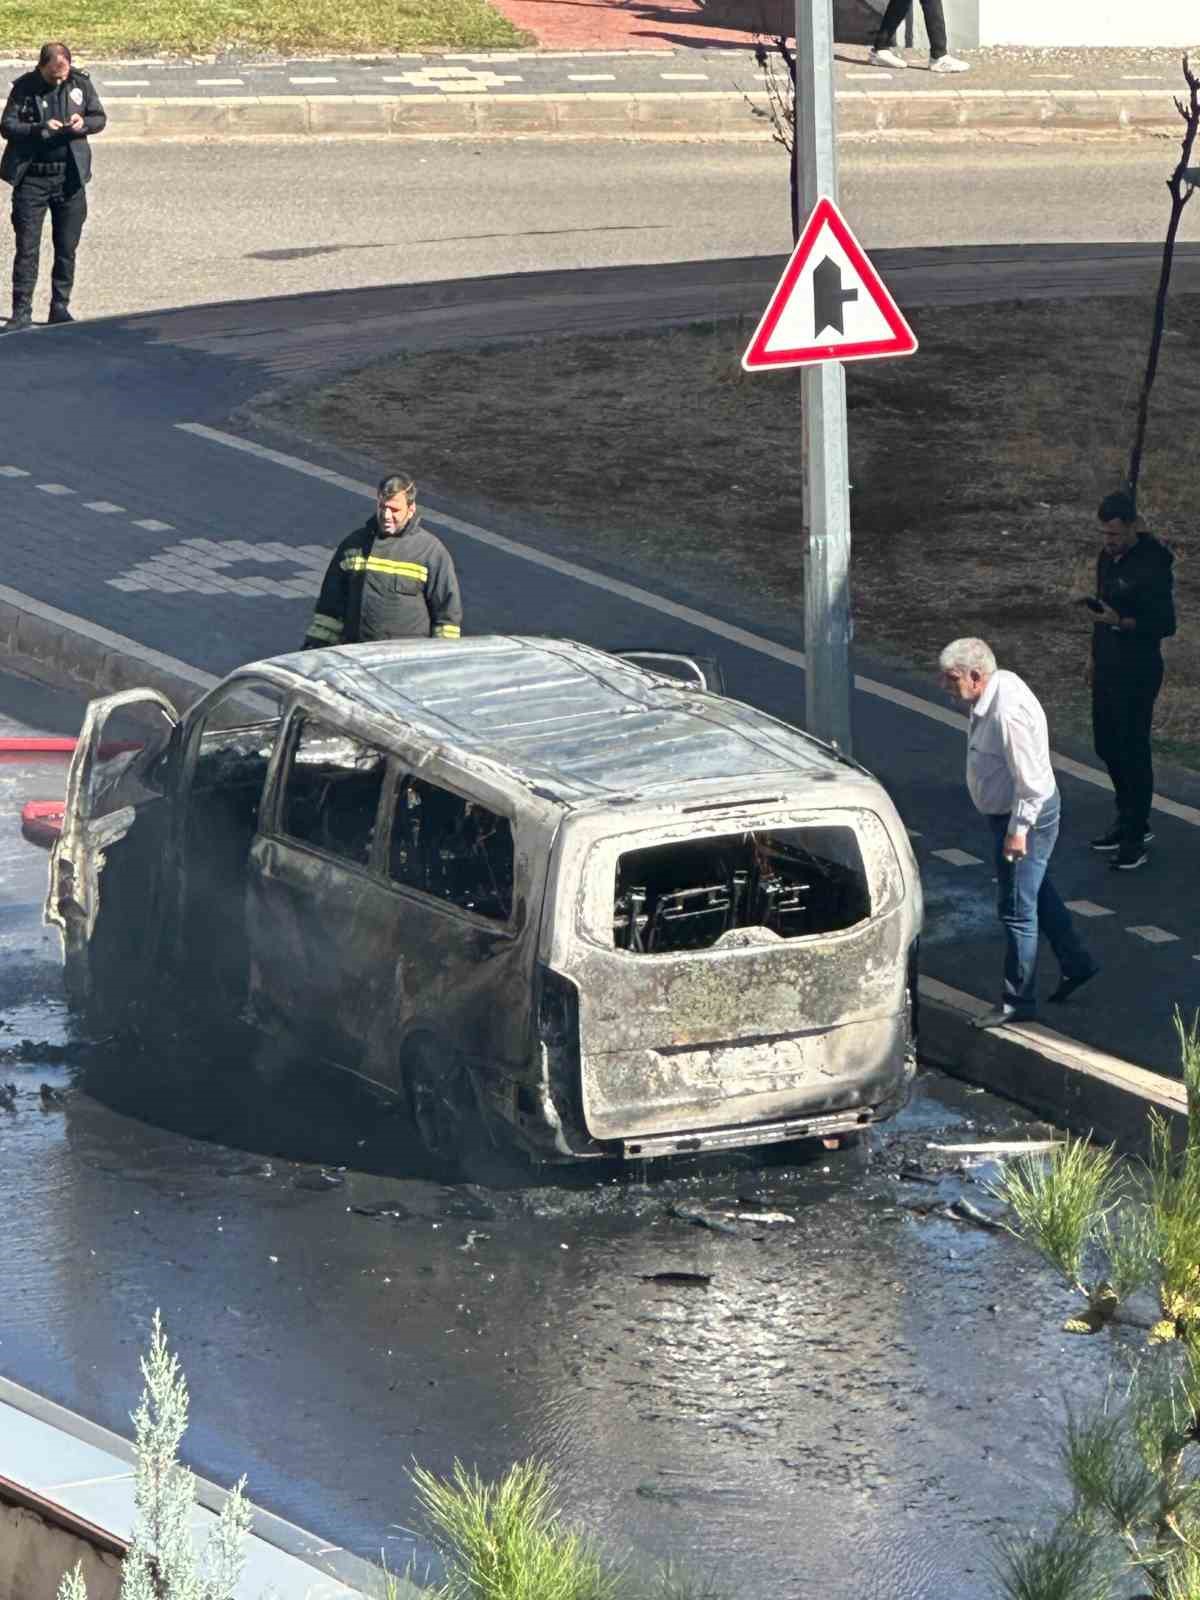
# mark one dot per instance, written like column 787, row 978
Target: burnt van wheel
column 442, row 1105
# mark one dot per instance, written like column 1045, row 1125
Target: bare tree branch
column 1181, row 192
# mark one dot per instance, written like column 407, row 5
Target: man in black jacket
column 389, row 579
column 47, row 159
column 1134, row 612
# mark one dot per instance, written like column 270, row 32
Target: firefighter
column 389, row 579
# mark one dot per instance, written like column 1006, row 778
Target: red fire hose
column 41, row 820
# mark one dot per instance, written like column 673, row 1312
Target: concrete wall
column 1098, row 23
column 1034, row 23
column 34, row 1555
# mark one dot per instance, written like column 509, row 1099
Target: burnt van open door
column 104, row 867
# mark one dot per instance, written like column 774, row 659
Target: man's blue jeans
column 1027, row 903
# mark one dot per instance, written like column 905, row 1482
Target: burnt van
column 519, row 882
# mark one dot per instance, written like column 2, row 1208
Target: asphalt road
column 179, row 224
column 859, row 1401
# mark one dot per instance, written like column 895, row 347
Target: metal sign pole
column 828, row 678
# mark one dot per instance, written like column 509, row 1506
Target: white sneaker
column 949, row 64
column 887, row 58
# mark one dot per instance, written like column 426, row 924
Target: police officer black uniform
column 49, row 114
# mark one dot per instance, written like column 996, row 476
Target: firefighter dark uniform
column 402, row 587
column 49, row 170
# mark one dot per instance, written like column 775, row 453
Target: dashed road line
column 55, row 488
column 684, row 77
column 1089, row 908
column 592, row 77
column 220, row 83
column 1153, row 935
column 958, row 858
column 13, row 472
column 152, row 525
column 106, row 508
column 312, row 80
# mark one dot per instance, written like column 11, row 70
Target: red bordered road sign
column 830, row 304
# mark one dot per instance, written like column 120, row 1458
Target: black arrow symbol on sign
column 829, row 297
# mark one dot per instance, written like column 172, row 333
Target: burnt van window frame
column 325, row 841
column 683, row 897
column 493, row 867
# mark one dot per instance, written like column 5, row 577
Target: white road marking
column 1059, row 77
column 312, row 80
column 684, row 77
column 220, row 83
column 1153, row 935
column 1143, row 77
column 666, row 608
column 592, row 77
column 13, row 472
column 958, row 858
column 1088, row 908
column 126, row 83
column 152, row 525
column 55, row 488
column 194, row 563
column 104, row 507
column 860, row 75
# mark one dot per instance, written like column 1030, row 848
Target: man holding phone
column 46, row 123
column 1134, row 611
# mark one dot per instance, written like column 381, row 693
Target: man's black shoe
column 59, row 313
column 1129, row 857
column 1068, row 986
column 1109, row 841
column 22, row 317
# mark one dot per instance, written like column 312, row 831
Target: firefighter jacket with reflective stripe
column 403, row 587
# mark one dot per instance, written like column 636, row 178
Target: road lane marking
column 104, row 507
column 592, row 77
column 684, row 77
column 55, row 488
column 1153, row 935
column 958, row 858
column 152, row 525
column 220, row 83
column 125, row 83
column 312, row 80
column 653, row 602
column 13, row 472
column 1088, row 908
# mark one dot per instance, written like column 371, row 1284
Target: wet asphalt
column 853, row 1401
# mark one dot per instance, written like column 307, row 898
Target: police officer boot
column 59, row 312
column 22, row 314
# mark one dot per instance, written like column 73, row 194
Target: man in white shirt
column 1012, row 784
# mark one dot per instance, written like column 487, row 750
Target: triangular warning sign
column 830, row 304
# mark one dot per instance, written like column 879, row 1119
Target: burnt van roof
column 568, row 721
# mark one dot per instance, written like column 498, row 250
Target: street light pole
column 828, row 678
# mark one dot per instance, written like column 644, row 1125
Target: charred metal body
column 511, row 877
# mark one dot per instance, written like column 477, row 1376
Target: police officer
column 1133, row 612
column 47, row 160
column 389, row 579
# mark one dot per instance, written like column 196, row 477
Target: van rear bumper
column 678, row 1144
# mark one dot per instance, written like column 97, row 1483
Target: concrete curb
column 1066, row 1082
column 724, row 113
column 1059, row 1078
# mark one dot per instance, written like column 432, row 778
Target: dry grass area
column 977, row 467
